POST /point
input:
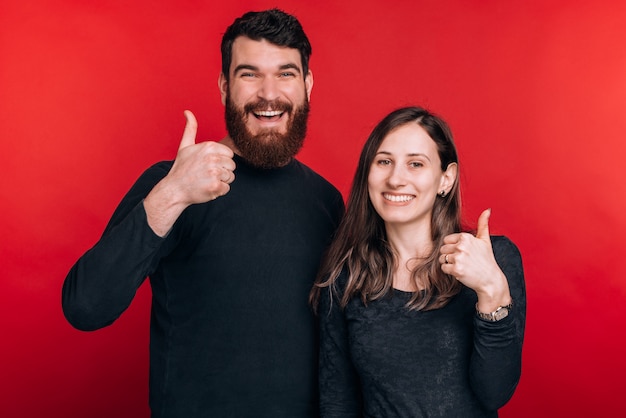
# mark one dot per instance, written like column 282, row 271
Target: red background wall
column 91, row 93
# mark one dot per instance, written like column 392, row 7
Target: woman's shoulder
column 509, row 259
column 501, row 244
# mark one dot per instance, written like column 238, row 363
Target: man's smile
column 268, row 115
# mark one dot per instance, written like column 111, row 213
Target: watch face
column 500, row 314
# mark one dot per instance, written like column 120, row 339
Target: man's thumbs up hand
column 201, row 172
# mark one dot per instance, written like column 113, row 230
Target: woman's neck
column 411, row 246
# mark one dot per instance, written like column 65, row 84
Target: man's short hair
column 273, row 25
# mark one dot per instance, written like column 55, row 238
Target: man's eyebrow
column 250, row 67
column 241, row 67
column 290, row 66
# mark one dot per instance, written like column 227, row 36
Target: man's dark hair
column 275, row 26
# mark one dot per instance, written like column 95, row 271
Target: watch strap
column 497, row 315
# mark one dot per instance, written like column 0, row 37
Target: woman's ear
column 448, row 178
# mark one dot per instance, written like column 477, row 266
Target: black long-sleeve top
column 231, row 330
column 384, row 360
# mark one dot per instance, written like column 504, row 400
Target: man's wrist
column 162, row 209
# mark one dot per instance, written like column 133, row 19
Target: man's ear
column 222, row 83
column 308, row 84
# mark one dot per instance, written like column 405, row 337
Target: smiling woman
column 407, row 176
column 404, row 292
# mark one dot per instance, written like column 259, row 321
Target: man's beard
column 268, row 148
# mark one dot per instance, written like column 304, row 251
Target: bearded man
column 230, row 234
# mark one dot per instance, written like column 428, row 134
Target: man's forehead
column 261, row 52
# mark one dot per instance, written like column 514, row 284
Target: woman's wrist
column 494, row 296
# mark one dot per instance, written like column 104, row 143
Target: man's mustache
column 262, row 104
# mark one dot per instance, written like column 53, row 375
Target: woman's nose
column 397, row 176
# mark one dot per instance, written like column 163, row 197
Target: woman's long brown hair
column 360, row 246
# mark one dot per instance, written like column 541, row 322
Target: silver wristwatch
column 497, row 315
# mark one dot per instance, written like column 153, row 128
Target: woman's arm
column 340, row 393
column 496, row 361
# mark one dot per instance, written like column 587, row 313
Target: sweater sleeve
column 496, row 362
column 103, row 282
column 340, row 394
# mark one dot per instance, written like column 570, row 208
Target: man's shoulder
column 160, row 168
column 314, row 175
column 148, row 179
column 322, row 189
column 155, row 172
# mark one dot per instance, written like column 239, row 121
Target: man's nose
column 269, row 89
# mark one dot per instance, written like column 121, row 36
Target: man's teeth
column 268, row 113
column 398, row 198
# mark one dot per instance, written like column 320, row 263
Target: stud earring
column 442, row 193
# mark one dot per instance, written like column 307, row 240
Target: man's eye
column 287, row 75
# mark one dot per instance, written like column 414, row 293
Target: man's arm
column 103, row 282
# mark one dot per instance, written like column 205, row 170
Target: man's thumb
column 191, row 128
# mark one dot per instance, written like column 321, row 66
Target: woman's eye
column 416, row 164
